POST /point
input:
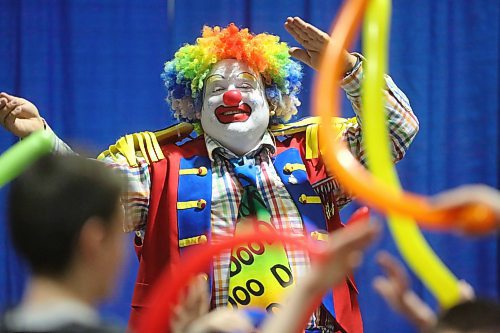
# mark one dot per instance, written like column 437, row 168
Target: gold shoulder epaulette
column 174, row 133
column 146, row 144
column 310, row 125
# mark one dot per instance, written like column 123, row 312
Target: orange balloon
column 472, row 218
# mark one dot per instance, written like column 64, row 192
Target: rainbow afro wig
column 184, row 75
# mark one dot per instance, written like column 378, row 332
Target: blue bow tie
column 245, row 170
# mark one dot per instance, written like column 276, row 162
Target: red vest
column 160, row 248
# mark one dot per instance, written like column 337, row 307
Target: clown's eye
column 245, row 86
column 217, row 89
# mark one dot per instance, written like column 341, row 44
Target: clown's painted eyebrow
column 244, row 75
column 247, row 75
column 215, row 77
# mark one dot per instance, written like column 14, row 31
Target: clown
column 238, row 91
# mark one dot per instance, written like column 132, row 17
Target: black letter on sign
column 273, row 308
column 237, row 267
column 244, row 301
column 258, row 249
column 283, row 280
column 231, row 301
column 247, row 261
column 255, row 287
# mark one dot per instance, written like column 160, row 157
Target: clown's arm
column 402, row 123
column 21, row 117
column 135, row 198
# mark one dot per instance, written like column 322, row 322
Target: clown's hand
column 19, row 116
column 313, row 41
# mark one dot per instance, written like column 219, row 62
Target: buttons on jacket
column 199, row 204
column 201, row 171
column 291, row 167
column 202, row 239
column 309, row 199
column 318, row 235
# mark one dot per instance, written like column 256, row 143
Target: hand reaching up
column 468, row 195
column 342, row 253
column 192, row 314
column 313, row 42
column 394, row 287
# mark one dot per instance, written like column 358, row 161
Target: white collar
column 214, row 147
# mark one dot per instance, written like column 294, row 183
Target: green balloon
column 15, row 160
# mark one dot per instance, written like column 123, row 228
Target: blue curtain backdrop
column 92, row 67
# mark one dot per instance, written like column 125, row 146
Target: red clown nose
column 232, row 98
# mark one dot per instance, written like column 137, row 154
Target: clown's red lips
column 233, row 114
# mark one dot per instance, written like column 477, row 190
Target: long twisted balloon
column 383, row 191
column 473, row 217
column 23, row 153
column 409, row 240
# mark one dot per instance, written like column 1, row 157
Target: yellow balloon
column 409, row 240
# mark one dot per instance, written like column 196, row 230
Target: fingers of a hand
column 202, row 292
column 309, row 34
column 310, row 29
column 4, row 110
column 227, row 320
column 453, row 198
column 222, row 320
column 467, row 195
column 299, row 34
column 300, row 24
column 299, row 54
column 192, row 305
column 385, row 288
column 408, row 303
column 296, row 34
column 466, row 291
column 394, row 270
column 10, row 103
column 354, row 259
column 13, row 103
column 193, row 296
column 355, row 237
column 318, row 35
column 16, row 112
column 6, row 96
column 177, row 311
column 5, row 115
column 180, row 319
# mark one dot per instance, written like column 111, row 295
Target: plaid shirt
column 227, row 191
column 226, row 196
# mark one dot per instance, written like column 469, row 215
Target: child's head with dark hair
column 477, row 316
column 65, row 216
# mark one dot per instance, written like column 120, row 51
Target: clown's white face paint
column 235, row 110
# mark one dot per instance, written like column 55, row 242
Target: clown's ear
column 267, row 79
